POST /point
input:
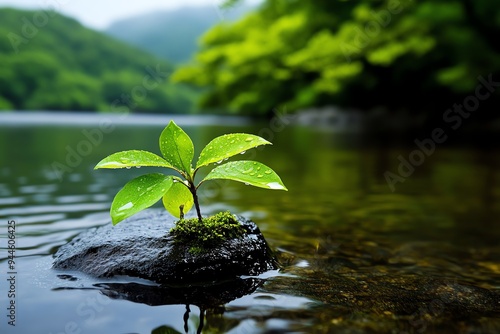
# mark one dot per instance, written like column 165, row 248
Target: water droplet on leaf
column 126, row 206
column 275, row 185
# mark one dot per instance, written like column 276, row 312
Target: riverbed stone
column 142, row 246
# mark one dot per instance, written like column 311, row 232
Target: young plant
column 180, row 194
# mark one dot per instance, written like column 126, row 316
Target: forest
column 52, row 62
column 419, row 56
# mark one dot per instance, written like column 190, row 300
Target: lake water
column 339, row 222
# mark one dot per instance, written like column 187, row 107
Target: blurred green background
column 417, row 58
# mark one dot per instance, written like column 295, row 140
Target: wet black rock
column 143, row 247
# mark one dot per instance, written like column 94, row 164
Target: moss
column 195, row 250
column 210, row 232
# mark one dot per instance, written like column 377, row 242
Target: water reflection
column 210, row 299
column 337, row 227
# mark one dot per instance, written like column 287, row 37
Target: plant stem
column 192, row 188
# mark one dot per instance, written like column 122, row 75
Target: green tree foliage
column 417, row 55
column 51, row 62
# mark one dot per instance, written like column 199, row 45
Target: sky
column 99, row 14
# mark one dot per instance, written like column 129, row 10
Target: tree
column 419, row 56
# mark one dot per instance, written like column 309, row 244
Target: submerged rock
column 362, row 286
column 143, row 247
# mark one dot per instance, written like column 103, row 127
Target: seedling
column 180, row 194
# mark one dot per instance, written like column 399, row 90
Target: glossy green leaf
column 249, row 172
column 177, row 195
column 133, row 158
column 139, row 194
column 177, row 148
column 227, row 146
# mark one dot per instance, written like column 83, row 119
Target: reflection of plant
column 178, row 194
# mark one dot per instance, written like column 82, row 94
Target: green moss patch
column 210, row 232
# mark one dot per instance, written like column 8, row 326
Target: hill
column 172, row 34
column 52, row 62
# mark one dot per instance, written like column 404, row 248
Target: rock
column 369, row 302
column 142, row 247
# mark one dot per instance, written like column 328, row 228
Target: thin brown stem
column 192, row 188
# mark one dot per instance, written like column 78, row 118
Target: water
column 338, row 225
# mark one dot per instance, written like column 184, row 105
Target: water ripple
column 54, row 208
column 12, row 200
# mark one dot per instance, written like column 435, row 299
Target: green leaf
column 177, row 147
column 177, row 195
column 165, row 330
column 133, row 158
column 228, row 145
column 249, row 172
column 139, row 194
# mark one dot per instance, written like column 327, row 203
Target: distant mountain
column 173, row 34
column 52, row 62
